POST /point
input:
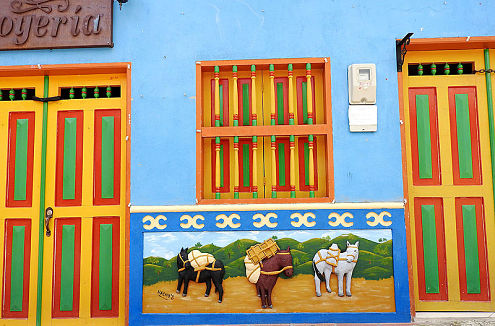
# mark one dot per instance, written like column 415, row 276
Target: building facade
column 245, row 161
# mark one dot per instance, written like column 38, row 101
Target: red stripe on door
column 441, row 256
column 474, row 131
column 97, row 197
column 226, row 165
column 225, row 94
column 285, row 141
column 13, row 117
column 242, row 142
column 434, row 140
column 484, row 294
column 240, row 83
column 302, row 168
column 59, row 175
column 300, row 105
column 285, row 109
column 57, row 267
column 7, row 267
column 95, row 274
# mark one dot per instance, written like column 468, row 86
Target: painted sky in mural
column 168, row 244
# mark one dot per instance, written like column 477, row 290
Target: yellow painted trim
column 22, row 212
column 253, row 207
column 86, row 211
column 447, row 190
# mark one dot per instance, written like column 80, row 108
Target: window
column 263, row 134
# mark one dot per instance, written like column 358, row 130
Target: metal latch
column 46, row 99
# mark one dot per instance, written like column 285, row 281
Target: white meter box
column 362, row 83
column 362, row 118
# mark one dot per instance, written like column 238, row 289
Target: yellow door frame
column 76, row 69
column 430, row 44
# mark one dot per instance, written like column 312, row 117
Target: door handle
column 48, row 216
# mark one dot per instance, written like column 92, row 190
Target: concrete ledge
column 253, row 207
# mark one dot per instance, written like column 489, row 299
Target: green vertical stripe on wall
column 221, row 166
column 305, row 102
column 245, row 165
column 430, row 249
column 17, row 268
column 280, row 103
column 245, row 104
column 471, row 248
column 463, row 136
column 107, row 156
column 21, row 153
column 281, row 164
column 220, row 88
column 69, row 185
column 41, row 221
column 424, row 137
column 489, row 104
column 105, row 285
column 306, row 164
column 67, row 268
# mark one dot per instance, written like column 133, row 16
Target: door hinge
column 46, row 99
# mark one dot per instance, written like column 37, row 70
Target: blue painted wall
column 163, row 39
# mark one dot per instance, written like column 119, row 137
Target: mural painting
column 318, row 257
column 253, row 266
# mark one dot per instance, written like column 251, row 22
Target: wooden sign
column 42, row 24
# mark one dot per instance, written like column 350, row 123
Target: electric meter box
column 362, row 118
column 362, row 83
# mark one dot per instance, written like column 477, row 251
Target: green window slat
column 424, row 137
column 21, row 153
column 107, row 156
column 463, row 136
column 245, row 166
column 280, row 103
column 305, row 102
column 245, row 104
column 105, row 284
column 69, row 172
column 221, row 104
column 17, row 268
column 471, row 249
column 281, row 164
column 306, row 164
column 221, row 166
column 67, row 268
column 430, row 249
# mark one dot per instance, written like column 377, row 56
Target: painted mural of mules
column 341, row 263
column 213, row 272
column 324, row 262
column 271, row 268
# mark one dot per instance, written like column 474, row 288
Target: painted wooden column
column 217, row 139
column 236, row 138
column 292, row 167
column 273, row 137
column 255, row 138
column 311, row 163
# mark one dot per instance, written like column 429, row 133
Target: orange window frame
column 204, row 131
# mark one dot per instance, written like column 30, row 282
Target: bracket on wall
column 400, row 50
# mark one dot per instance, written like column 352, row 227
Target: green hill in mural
column 374, row 263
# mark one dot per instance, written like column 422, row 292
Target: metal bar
column 255, row 138
column 273, row 138
column 236, row 138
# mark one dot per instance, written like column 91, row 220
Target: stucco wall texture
column 164, row 39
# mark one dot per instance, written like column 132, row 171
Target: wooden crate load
column 263, row 250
